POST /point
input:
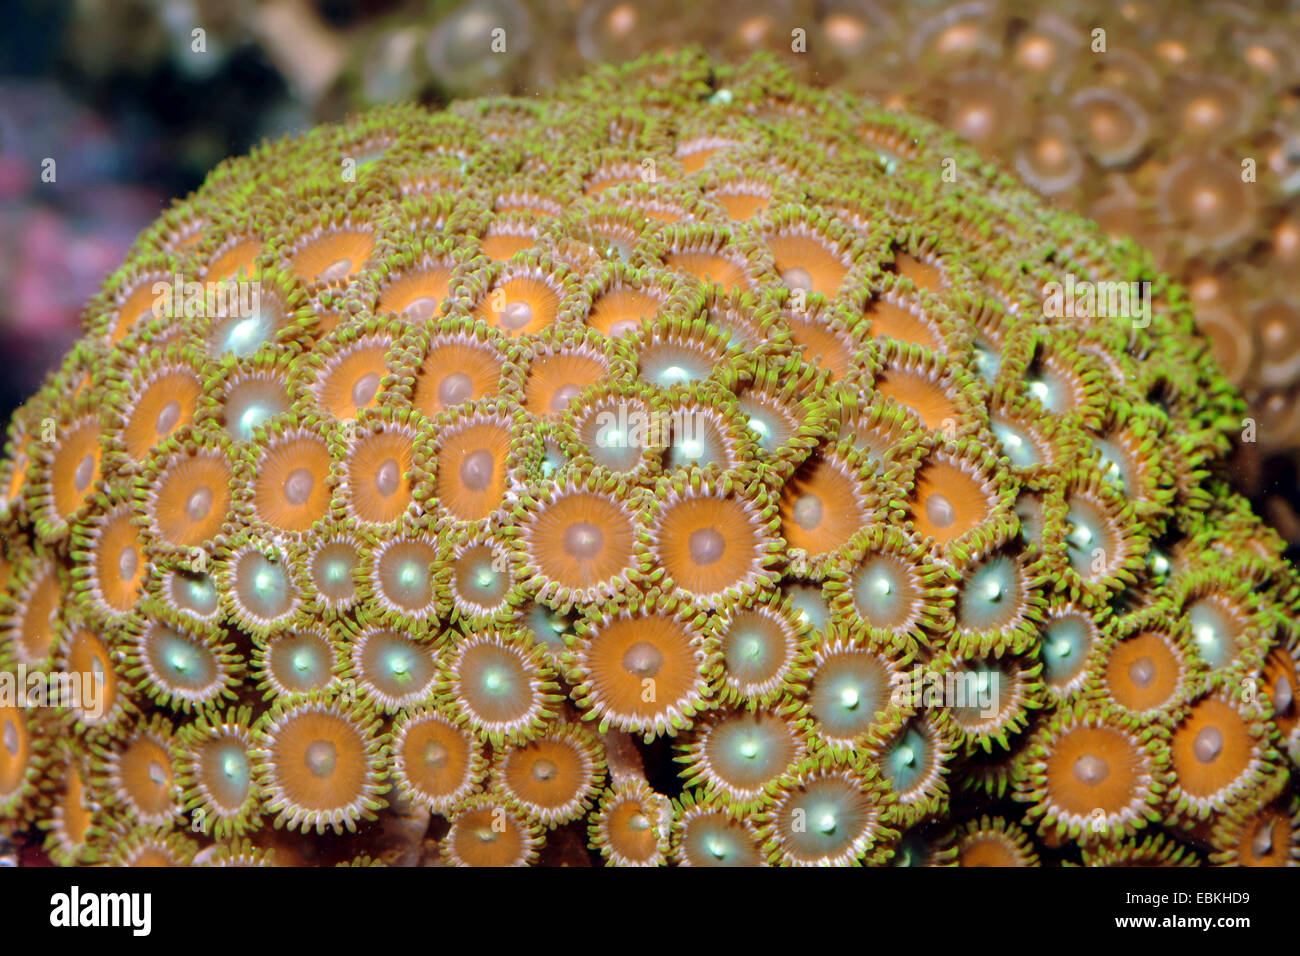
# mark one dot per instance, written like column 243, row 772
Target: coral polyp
column 677, row 468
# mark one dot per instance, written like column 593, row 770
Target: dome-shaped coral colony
column 597, row 472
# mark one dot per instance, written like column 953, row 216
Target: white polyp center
column 674, row 375
column 85, row 472
column 338, row 269
column 253, row 416
column 128, row 562
column 198, row 504
column 298, row 486
column 939, row 510
column 182, row 659
column 321, row 757
column 455, row 388
column 1141, row 671
column 435, row 755
column 156, row 773
column 201, row 593
column 707, row 545
column 643, row 659
column 516, row 315
column 1209, row 744
column 1283, row 695
column 242, row 334
column 266, row 582
column 476, row 470
column 168, row 416
column 545, row 770
column 1091, row 769
column 363, row 390
column 1081, row 536
column 420, row 309
column 807, row 511
column 1262, row 844
column 11, row 738
column 563, row 396
column 850, row 698
column 583, row 540
column 388, row 478
column 495, row 680
column 797, row 277
column 409, row 575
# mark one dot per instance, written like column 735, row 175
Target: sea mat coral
column 685, row 466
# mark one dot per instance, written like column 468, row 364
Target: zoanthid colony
column 682, row 467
